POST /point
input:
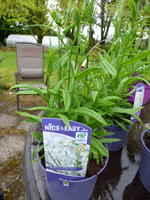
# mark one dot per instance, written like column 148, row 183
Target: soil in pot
column 147, row 140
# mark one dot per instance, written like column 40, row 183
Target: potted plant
column 92, row 97
column 147, row 87
column 145, row 160
column 67, row 100
column 118, row 68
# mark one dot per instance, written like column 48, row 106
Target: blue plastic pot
column 119, row 133
column 144, row 169
column 72, row 190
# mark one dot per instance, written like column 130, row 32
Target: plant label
column 139, row 95
column 66, row 149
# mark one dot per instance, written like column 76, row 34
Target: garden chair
column 29, row 62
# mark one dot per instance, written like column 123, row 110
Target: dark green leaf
column 36, row 151
column 38, row 136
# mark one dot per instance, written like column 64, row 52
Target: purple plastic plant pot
column 120, row 133
column 144, row 169
column 72, row 189
column 146, row 94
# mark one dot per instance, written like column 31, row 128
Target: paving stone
column 7, row 121
column 23, row 126
column 10, row 145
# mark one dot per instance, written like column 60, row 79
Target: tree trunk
column 39, row 35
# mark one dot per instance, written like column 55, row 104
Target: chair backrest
column 30, row 61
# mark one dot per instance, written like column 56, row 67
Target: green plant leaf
column 77, row 100
column 88, row 105
column 121, row 86
column 66, row 98
column 94, row 95
column 85, row 11
column 111, row 69
column 77, row 16
column 45, row 108
column 93, row 149
column 125, row 110
column 69, row 11
column 105, row 100
column 136, row 58
column 55, row 90
column 85, row 111
column 65, row 119
column 69, row 28
column 86, row 72
column 32, row 88
column 39, row 119
column 30, row 92
column 50, row 63
column 37, row 159
column 30, row 120
column 91, row 20
column 122, row 125
column 37, row 150
column 56, row 17
column 99, row 147
column 38, row 136
column 58, row 62
column 109, row 140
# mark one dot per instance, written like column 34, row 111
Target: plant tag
column 139, row 95
column 66, row 149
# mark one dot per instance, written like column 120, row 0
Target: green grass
column 9, row 66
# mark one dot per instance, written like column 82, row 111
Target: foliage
column 97, row 96
column 142, row 11
column 8, row 28
column 121, row 62
column 27, row 12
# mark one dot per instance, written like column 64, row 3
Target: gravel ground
column 13, row 131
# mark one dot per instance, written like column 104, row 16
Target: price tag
column 139, row 95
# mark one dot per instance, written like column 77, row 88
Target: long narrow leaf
column 136, row 58
column 36, row 151
column 55, row 90
column 37, row 160
column 39, row 119
column 66, row 98
column 38, row 136
column 99, row 146
column 90, row 113
column 108, row 66
column 30, row 87
column 109, row 140
column 65, row 119
column 86, row 72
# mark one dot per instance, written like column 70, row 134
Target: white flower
column 66, row 161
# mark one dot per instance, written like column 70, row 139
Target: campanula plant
column 84, row 95
column 119, row 64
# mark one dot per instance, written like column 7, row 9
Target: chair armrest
column 16, row 77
